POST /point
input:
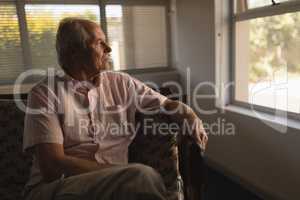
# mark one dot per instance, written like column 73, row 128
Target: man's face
column 100, row 50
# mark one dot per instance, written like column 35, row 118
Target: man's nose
column 107, row 48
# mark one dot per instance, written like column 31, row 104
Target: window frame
column 265, row 11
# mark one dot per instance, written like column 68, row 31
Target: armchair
column 172, row 155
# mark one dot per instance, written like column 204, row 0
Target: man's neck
column 81, row 75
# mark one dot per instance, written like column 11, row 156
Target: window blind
column 137, row 35
column 42, row 22
column 137, row 31
column 11, row 57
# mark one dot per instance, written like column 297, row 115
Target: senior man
column 73, row 156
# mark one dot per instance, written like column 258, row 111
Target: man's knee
column 147, row 182
column 143, row 170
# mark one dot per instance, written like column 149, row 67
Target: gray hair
column 73, row 39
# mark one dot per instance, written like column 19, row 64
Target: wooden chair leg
column 192, row 169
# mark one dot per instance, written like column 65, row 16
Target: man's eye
column 100, row 43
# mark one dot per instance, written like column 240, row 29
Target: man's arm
column 53, row 162
column 180, row 112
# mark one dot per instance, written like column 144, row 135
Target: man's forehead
column 99, row 33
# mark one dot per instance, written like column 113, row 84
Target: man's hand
column 180, row 112
column 54, row 163
column 198, row 132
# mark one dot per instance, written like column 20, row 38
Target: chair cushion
column 157, row 149
column 14, row 165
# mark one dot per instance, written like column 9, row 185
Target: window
column 243, row 5
column 137, row 35
column 261, row 3
column 136, row 31
column 266, row 58
column 11, row 59
column 42, row 22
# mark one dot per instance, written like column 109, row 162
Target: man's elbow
column 50, row 161
column 51, row 171
column 171, row 105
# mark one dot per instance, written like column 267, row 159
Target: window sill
column 281, row 122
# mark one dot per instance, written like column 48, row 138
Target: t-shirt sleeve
column 146, row 98
column 41, row 123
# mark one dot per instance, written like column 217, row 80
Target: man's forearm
column 73, row 165
column 179, row 111
column 183, row 115
column 70, row 166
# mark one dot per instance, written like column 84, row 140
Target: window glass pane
column 137, row 35
column 11, row 58
column 268, row 62
column 42, row 23
column 261, row 3
column 244, row 5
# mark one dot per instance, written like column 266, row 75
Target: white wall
column 195, row 33
column 262, row 158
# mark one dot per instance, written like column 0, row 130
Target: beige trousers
column 129, row 182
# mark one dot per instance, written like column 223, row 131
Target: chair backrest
column 14, row 165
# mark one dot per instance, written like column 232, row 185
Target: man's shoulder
column 39, row 86
column 45, row 84
column 116, row 76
